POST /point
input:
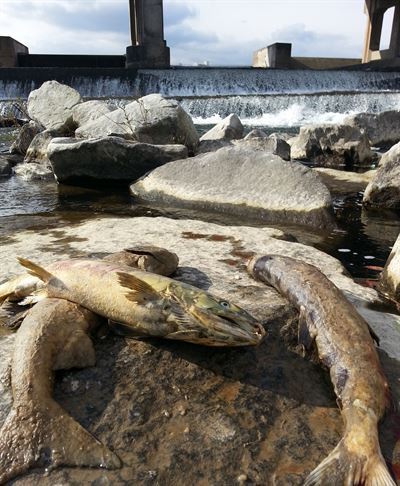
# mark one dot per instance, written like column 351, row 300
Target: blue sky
column 218, row 31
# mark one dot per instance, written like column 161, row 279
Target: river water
column 274, row 101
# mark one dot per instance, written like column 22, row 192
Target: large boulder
column 332, row 145
column 24, row 137
column 384, row 189
column 261, row 415
column 382, row 129
column 109, row 158
column 151, row 119
column 51, row 105
column 89, row 111
column 390, row 278
column 229, row 128
column 245, row 183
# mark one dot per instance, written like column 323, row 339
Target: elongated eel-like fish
column 345, row 346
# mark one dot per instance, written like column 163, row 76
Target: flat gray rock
column 241, row 182
column 266, row 413
column 109, row 158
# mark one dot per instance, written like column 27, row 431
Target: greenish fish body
column 148, row 304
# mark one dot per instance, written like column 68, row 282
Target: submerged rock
column 265, row 413
column 109, row 158
column 390, row 278
column 151, row 119
column 382, row 129
column 384, row 189
column 343, row 181
column 229, row 128
column 51, row 105
column 5, row 167
column 246, row 183
column 34, row 172
column 332, row 145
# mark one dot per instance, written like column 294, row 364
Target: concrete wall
column 74, row 61
column 278, row 56
column 9, row 50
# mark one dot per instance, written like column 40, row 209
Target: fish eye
column 225, row 304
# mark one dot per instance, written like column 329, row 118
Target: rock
column 24, row 138
column 229, row 128
column 390, row 277
column 384, row 189
column 382, row 129
column 51, row 105
column 245, row 183
column 109, row 158
column 265, row 412
column 37, row 151
column 151, row 119
column 343, row 181
column 5, row 167
column 90, row 111
column 272, row 145
column 206, row 146
column 332, row 145
column 255, row 133
column 34, row 172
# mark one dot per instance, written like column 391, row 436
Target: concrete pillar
column 375, row 10
column 9, row 50
column 148, row 49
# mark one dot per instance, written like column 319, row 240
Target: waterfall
column 258, row 96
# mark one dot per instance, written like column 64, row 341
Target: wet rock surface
column 181, row 414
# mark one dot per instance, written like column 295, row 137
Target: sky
column 222, row 32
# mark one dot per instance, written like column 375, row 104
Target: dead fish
column 148, row 258
column 147, row 304
column 345, row 346
column 38, row 432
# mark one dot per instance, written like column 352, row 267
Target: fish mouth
column 236, row 333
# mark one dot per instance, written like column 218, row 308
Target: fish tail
column 352, row 469
column 48, row 437
column 35, row 269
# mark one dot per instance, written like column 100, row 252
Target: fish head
column 211, row 321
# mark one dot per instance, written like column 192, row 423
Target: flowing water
column 274, row 100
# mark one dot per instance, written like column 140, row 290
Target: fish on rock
column 344, row 344
column 54, row 335
column 146, row 304
column 38, row 432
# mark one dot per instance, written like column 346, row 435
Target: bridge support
column 148, row 49
column 375, row 9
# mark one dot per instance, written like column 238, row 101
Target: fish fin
column 139, row 291
column 35, row 270
column 124, row 330
column 44, row 435
column 345, row 467
column 34, row 298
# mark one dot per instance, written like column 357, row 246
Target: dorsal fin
column 139, row 291
column 35, row 270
